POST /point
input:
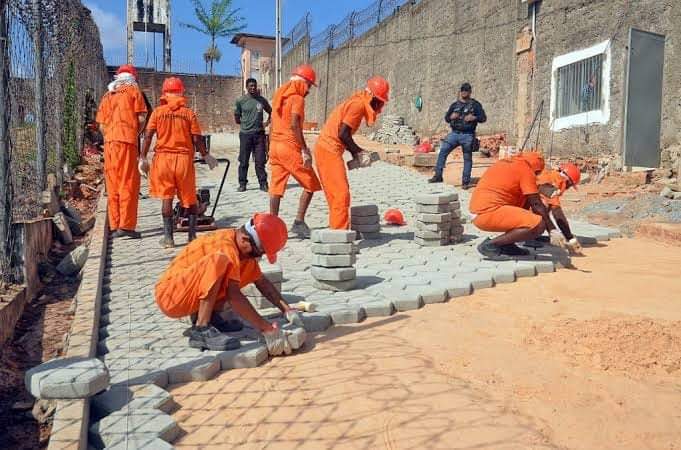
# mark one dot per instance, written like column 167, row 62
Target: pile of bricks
column 394, row 131
column 365, row 221
column 275, row 275
column 438, row 220
column 333, row 260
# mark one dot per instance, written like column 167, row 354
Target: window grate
column 579, row 87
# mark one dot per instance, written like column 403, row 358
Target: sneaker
column 167, row 242
column 132, row 234
column 466, row 186
column 490, row 251
column 300, row 229
column 241, row 188
column 436, row 179
column 222, row 325
column 264, row 187
column 513, row 250
column 209, row 338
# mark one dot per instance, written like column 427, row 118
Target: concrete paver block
column 333, row 274
column 333, row 236
column 297, row 336
column 248, row 356
column 405, row 300
column 436, row 199
column 336, row 286
column 478, row 279
column 371, row 228
column 432, row 226
column 433, row 209
column 434, row 218
column 334, row 260
column 379, row 308
column 363, row 210
column 431, row 235
column 435, row 293
column 333, row 249
column 369, row 235
column 431, row 242
column 503, row 275
column 347, row 314
column 316, row 322
column 132, row 397
column 133, row 377
column 184, row 370
column 365, row 220
column 141, row 443
column 545, row 266
column 65, row 378
column 460, row 288
column 525, row 269
column 138, row 423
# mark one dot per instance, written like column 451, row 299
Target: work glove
column 307, row 157
column 143, row 167
column 557, row 239
column 277, row 341
column 211, row 161
column 574, row 246
column 294, row 318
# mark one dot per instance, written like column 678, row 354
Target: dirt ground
column 581, row 359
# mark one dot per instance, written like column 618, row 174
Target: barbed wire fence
column 53, row 73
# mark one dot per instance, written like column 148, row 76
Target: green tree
column 218, row 21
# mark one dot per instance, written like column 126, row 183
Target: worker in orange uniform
column 211, row 270
column 289, row 154
column 552, row 185
column 498, row 201
column 172, row 173
column 121, row 117
column 336, row 137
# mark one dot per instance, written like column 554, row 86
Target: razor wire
column 300, row 31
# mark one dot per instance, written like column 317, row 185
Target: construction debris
column 333, row 259
column 74, row 261
column 394, row 131
column 366, row 221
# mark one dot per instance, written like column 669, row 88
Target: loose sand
column 581, row 359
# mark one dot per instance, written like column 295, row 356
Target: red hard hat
column 379, row 88
column 307, row 72
column 272, row 234
column 572, row 172
column 173, row 85
column 127, row 68
column 535, row 159
column 394, row 216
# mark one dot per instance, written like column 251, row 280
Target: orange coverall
column 285, row 156
column 500, row 195
column 209, row 259
column 554, row 178
column 172, row 169
column 328, row 155
column 118, row 113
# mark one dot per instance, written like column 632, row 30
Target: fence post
column 380, row 7
column 41, row 151
column 351, row 26
column 5, row 175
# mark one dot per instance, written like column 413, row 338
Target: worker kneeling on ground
column 172, row 171
column 211, row 270
column 552, row 185
column 336, row 137
column 289, row 155
column 498, row 201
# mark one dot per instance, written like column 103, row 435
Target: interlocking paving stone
column 436, row 292
column 118, row 397
column 434, row 218
column 333, row 249
column 501, row 275
column 335, row 285
column 432, row 226
column 65, row 378
column 141, row 443
column 378, row 308
column 249, row 355
column 334, row 260
column 333, row 274
column 363, row 210
column 431, row 242
column 525, row 269
column 297, row 336
column 406, row 299
column 346, row 314
column 183, row 370
column 326, row 236
column 365, row 220
column 431, row 235
column 316, row 321
column 436, row 198
column 370, row 228
column 138, row 423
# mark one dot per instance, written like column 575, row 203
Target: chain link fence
column 52, row 73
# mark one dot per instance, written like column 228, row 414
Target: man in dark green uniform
column 249, row 115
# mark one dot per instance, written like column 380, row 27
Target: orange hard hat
column 173, row 85
column 271, row 234
column 127, row 68
column 572, row 172
column 307, row 72
column 535, row 159
column 394, row 216
column 379, row 88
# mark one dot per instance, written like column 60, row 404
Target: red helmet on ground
column 535, row 159
column 173, row 85
column 394, row 216
column 127, row 68
column 572, row 172
column 307, row 72
column 271, row 234
column 379, row 88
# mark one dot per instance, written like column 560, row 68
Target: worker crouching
column 210, row 272
column 336, row 137
column 177, row 133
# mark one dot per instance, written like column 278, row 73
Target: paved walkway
column 146, row 351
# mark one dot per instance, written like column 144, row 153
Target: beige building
column 257, row 60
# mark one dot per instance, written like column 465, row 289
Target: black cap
column 466, row 87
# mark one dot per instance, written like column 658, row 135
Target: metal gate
column 643, row 104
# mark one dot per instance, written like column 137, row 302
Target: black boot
column 192, row 228
column 167, row 240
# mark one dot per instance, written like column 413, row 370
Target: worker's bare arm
column 148, row 136
column 297, row 128
column 199, row 144
column 538, row 207
column 243, row 307
column 345, row 136
column 562, row 222
column 270, row 292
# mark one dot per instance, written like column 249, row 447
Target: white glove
column 294, row 318
column 211, row 161
column 143, row 167
column 557, row 239
column 307, row 157
column 364, row 159
column 574, row 246
column 277, row 341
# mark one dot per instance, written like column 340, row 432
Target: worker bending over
column 289, row 154
column 498, row 201
column 552, row 185
column 336, row 137
column 177, row 133
column 121, row 117
column 211, row 270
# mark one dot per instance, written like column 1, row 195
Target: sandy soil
column 581, row 359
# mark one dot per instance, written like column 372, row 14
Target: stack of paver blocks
column 366, row 221
column 438, row 220
column 333, row 260
column 276, row 276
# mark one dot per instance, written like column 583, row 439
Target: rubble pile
column 395, row 131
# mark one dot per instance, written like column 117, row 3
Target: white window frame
column 601, row 116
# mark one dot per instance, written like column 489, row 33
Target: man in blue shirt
column 463, row 116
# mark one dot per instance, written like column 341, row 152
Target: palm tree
column 220, row 21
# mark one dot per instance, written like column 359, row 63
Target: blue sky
column 188, row 45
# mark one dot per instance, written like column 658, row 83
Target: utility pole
column 277, row 44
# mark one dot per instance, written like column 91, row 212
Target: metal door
column 643, row 103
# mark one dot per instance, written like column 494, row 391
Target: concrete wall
column 431, row 47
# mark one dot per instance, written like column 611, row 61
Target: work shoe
column 300, row 229
column 167, row 242
column 277, row 341
column 241, row 188
column 216, row 320
column 435, row 179
column 132, row 234
column 209, row 338
column 466, row 186
column 513, row 250
column 490, row 251
column 264, row 187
